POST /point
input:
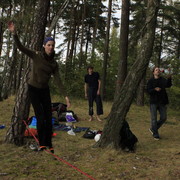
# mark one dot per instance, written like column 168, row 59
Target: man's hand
column 11, row 27
column 157, row 89
column 98, row 92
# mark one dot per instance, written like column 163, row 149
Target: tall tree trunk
column 70, row 41
column 123, row 48
column 95, row 31
column 140, row 92
column 160, row 43
column 13, row 60
column 82, row 36
column 123, row 99
column 1, row 36
column 106, row 50
column 15, row 133
column 56, row 18
column 87, row 41
column 6, row 71
column 1, row 43
column 178, row 44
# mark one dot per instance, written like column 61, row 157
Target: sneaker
column 157, row 138
column 33, row 147
column 150, row 130
column 51, row 150
column 41, row 148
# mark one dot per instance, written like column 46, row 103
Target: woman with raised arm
column 44, row 65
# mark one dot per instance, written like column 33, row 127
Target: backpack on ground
column 62, row 116
column 61, row 110
column 128, row 139
column 58, row 107
column 90, row 134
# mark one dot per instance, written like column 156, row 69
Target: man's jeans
column 155, row 124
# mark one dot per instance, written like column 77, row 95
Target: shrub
column 174, row 97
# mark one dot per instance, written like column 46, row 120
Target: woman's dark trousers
column 41, row 102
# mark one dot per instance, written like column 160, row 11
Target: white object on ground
column 97, row 137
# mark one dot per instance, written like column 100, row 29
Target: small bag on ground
column 128, row 139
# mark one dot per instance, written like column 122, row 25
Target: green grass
column 153, row 160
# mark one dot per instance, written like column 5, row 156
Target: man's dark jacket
column 161, row 96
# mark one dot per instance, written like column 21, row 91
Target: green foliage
column 174, row 97
column 167, row 33
column 172, row 64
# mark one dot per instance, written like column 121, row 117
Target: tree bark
column 15, row 133
column 123, row 47
column 70, row 45
column 1, row 36
column 160, row 43
column 6, row 71
column 106, row 51
column 82, row 35
column 140, row 93
column 123, row 98
column 56, row 18
column 95, row 31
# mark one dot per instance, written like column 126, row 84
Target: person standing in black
column 158, row 100
column 92, row 92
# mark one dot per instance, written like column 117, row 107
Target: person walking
column 156, row 88
column 92, row 92
column 44, row 65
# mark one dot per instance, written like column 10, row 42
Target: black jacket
column 161, row 96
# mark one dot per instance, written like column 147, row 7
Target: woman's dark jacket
column 42, row 69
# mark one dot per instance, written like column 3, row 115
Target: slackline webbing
column 58, row 158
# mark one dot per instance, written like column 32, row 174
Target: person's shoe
column 156, row 138
column 150, row 130
column 51, row 150
column 41, row 148
column 33, row 147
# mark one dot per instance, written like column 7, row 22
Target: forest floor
column 153, row 160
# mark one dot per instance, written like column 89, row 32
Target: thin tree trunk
column 1, row 36
column 140, row 92
column 56, row 18
column 1, row 43
column 160, row 43
column 178, row 45
column 12, row 74
column 87, row 42
column 95, row 31
column 75, row 46
column 123, row 48
column 6, row 71
column 70, row 34
column 123, row 99
column 106, row 51
column 82, row 36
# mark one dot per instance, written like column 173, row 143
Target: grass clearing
column 153, row 160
